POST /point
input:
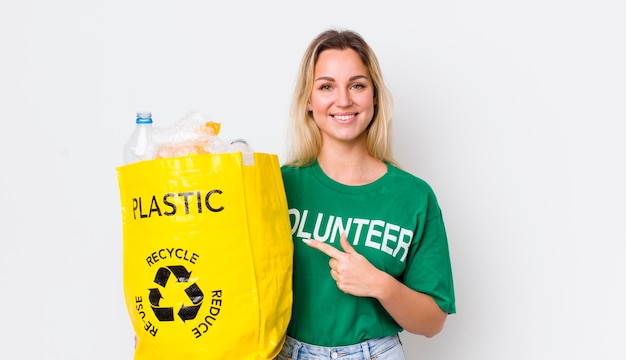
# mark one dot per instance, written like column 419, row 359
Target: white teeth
column 343, row 118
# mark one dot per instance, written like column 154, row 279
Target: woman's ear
column 308, row 106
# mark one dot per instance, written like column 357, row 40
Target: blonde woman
column 371, row 254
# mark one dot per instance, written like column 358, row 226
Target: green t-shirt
column 395, row 222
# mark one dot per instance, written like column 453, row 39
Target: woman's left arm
column 416, row 312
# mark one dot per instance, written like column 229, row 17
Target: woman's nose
column 343, row 98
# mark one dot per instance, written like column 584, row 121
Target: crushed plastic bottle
column 192, row 134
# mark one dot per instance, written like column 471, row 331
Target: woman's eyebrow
column 329, row 78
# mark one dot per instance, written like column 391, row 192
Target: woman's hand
column 352, row 272
column 416, row 312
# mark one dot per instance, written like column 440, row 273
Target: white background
column 513, row 111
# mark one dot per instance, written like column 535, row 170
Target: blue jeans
column 386, row 348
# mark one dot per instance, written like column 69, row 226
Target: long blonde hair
column 304, row 142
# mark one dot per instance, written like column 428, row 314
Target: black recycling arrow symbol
column 180, row 272
column 161, row 276
column 193, row 292
column 188, row 312
column 164, row 314
column 155, row 296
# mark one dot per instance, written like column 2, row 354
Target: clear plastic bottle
column 140, row 145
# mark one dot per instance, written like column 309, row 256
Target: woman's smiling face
column 342, row 100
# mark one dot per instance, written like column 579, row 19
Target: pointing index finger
column 325, row 248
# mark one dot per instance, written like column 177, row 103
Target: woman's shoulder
column 286, row 168
column 402, row 176
column 290, row 171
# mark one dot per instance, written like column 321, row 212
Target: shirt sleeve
column 429, row 269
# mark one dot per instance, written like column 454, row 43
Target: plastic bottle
column 140, row 145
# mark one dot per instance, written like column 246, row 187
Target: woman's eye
column 358, row 86
column 325, row 87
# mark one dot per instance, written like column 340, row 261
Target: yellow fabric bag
column 207, row 256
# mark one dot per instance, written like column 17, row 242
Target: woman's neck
column 351, row 166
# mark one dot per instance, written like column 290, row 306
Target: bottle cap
column 144, row 117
